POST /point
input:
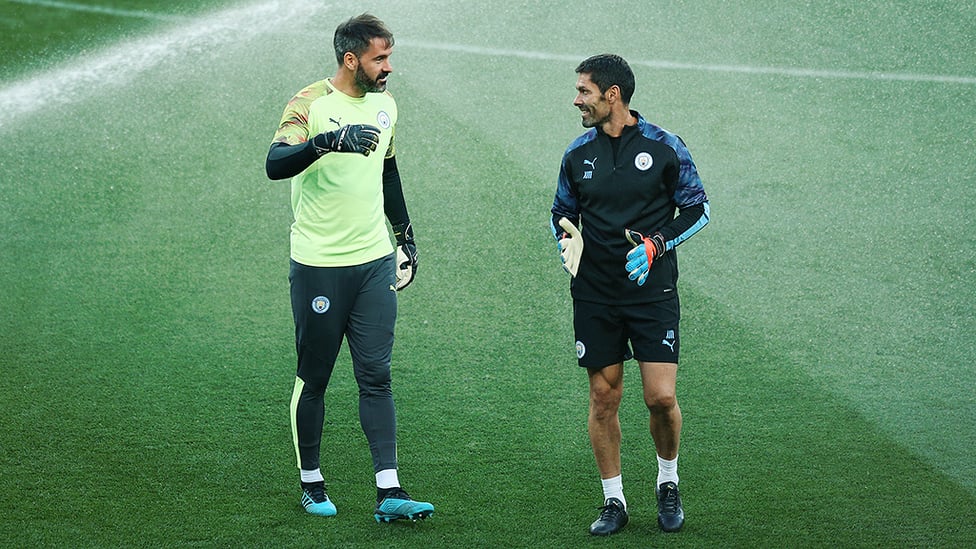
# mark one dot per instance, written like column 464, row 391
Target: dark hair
column 355, row 34
column 608, row 70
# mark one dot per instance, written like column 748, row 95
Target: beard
column 590, row 121
column 370, row 85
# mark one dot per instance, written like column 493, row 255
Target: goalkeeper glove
column 570, row 246
column 354, row 138
column 406, row 256
column 641, row 257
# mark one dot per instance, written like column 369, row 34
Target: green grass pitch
column 829, row 330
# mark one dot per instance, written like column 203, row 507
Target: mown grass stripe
column 664, row 64
column 104, row 10
column 89, row 76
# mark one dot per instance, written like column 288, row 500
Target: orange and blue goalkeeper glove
column 639, row 259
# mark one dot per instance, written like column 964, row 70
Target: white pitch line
column 99, row 9
column 87, row 76
column 658, row 64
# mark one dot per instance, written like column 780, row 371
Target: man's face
column 592, row 104
column 374, row 66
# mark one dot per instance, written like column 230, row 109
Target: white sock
column 387, row 478
column 667, row 470
column 314, row 475
column 614, row 488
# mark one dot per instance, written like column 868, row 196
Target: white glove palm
column 571, row 247
column 405, row 268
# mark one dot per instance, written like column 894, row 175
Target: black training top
column 637, row 181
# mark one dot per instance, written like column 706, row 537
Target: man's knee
column 660, row 402
column 374, row 378
column 606, row 391
column 604, row 401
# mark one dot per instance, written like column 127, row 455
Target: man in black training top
column 620, row 187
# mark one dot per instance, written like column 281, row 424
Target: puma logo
column 669, row 340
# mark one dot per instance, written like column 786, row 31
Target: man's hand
column 354, row 138
column 641, row 257
column 406, row 257
column 570, row 246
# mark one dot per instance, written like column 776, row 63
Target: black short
column 606, row 333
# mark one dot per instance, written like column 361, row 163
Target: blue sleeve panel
column 689, row 221
column 566, row 204
column 689, row 195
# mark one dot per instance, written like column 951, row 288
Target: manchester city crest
column 643, row 161
column 580, row 349
column 320, row 304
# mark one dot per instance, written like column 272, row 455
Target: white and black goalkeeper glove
column 354, row 138
column 570, row 246
column 406, row 255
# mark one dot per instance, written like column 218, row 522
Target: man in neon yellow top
column 338, row 224
column 336, row 143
